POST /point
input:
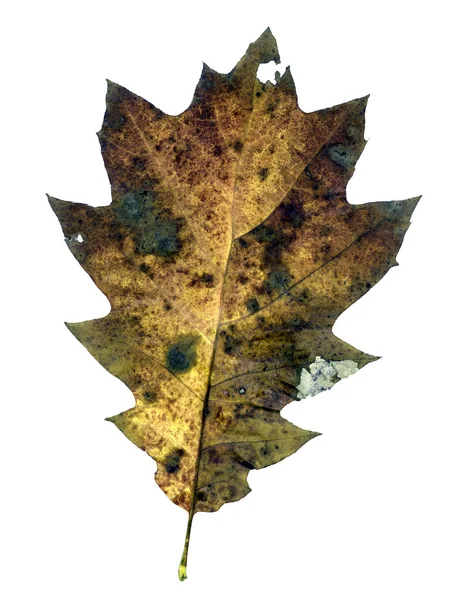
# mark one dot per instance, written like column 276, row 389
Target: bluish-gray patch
column 156, row 230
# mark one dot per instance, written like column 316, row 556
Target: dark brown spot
column 271, row 106
column 326, row 230
column 138, row 163
column 232, row 490
column 263, row 173
column 214, row 457
column 298, row 323
column 204, row 280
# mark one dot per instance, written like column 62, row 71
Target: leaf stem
column 183, row 560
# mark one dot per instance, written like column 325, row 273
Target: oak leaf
column 227, row 254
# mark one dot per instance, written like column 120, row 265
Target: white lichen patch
column 323, row 374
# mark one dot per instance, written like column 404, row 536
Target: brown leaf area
column 227, row 254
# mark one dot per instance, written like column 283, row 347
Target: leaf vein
column 286, row 292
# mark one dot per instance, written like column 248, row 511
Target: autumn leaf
column 227, row 254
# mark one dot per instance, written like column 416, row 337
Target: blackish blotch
column 263, row 233
column 344, row 156
column 181, row 356
column 289, row 353
column 277, row 280
column 246, row 463
column 114, row 119
column 172, row 461
column 292, row 213
column 231, row 344
column 252, row 305
column 298, row 323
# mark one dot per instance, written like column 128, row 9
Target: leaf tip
column 286, row 81
column 111, row 85
column 72, row 328
column 405, row 208
column 268, row 46
column 415, row 200
column 52, row 201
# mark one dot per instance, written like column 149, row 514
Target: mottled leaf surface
column 227, row 254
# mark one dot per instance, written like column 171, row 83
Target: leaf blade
column 227, row 254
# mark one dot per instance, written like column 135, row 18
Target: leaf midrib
column 220, row 312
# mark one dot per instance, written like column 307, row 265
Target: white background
column 362, row 512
